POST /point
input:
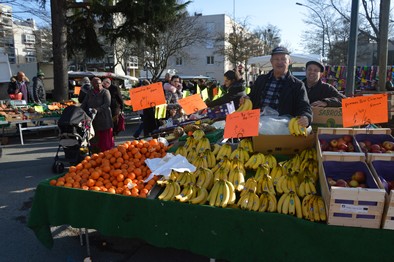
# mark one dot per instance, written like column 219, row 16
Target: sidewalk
column 22, row 167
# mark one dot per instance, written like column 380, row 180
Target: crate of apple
column 337, row 143
column 358, row 179
column 375, row 143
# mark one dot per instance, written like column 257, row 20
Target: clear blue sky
column 284, row 14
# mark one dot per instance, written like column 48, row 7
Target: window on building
column 210, row 60
column 210, row 26
column 29, row 39
column 209, row 43
column 179, row 61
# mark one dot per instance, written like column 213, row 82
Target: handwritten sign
column 127, row 102
column 77, row 90
column 364, row 110
column 192, row 104
column 242, row 124
column 147, row 96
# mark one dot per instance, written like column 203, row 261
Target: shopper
column 85, row 88
column 98, row 101
column 320, row 94
column 116, row 103
column 39, row 95
column 281, row 91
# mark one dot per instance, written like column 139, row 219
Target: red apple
column 341, row 141
column 341, row 183
column 367, row 144
column 331, row 181
column 375, row 148
column 388, row 145
column 324, row 145
column 334, row 143
column 359, row 176
column 343, row 147
column 348, row 138
column 350, row 147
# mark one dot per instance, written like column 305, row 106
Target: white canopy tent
column 296, row 60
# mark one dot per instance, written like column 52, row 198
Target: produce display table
column 37, row 125
column 230, row 234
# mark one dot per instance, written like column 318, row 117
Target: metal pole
column 322, row 24
column 352, row 49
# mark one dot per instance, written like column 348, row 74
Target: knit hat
column 316, row 63
column 40, row 73
column 85, row 80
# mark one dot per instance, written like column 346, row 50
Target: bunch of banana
column 198, row 134
column 287, row 183
column 289, row 203
column 199, row 161
column 295, row 129
column 191, row 155
column 246, row 143
column 293, row 164
column 271, row 160
column 309, row 174
column 240, row 153
column 186, row 178
column 249, row 201
column 313, row 208
column 225, row 161
column 222, row 194
column 215, row 149
column 237, row 178
column 204, row 177
column 246, row 105
column 203, row 144
column 255, row 160
column 264, row 180
column 276, row 173
column 306, row 187
column 201, row 196
column 191, row 143
column 181, row 150
column 268, row 202
column 225, row 150
column 171, row 190
column 309, row 153
column 211, row 160
column 250, row 186
column 221, row 173
column 188, row 192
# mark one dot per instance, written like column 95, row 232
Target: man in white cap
column 280, row 90
column 320, row 94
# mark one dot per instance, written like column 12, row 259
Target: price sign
column 242, row 124
column 364, row 110
column 192, row 104
column 147, row 96
column 77, row 90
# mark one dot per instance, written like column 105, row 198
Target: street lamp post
column 321, row 20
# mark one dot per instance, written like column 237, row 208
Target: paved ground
column 22, row 167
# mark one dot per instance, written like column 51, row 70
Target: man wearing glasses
column 280, row 90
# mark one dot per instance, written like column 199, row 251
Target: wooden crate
column 375, row 139
column 355, row 207
column 383, row 168
column 357, row 155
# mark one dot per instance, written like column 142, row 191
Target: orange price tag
column 364, row 110
column 192, row 104
column 127, row 102
column 147, row 96
column 242, row 124
column 77, row 89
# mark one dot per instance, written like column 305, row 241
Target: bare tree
column 184, row 32
column 270, row 36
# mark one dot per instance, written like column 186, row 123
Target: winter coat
column 39, row 95
column 324, row 92
column 116, row 100
column 84, row 90
column 100, row 101
column 293, row 98
column 234, row 93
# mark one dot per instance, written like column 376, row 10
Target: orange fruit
column 53, row 182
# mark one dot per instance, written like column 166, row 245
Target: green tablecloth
column 230, row 234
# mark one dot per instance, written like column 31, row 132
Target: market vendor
column 20, row 85
column 235, row 90
column 281, row 91
column 320, row 94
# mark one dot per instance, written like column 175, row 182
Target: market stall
column 231, row 234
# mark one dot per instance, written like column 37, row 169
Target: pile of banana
column 295, row 129
column 221, row 180
column 246, row 105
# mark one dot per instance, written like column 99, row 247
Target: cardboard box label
column 354, row 209
column 327, row 116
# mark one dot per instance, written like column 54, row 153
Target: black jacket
column 324, row 92
column 234, row 93
column 39, row 90
column 293, row 98
column 116, row 100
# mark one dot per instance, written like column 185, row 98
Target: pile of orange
column 120, row 170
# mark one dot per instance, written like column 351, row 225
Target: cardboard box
column 220, row 112
column 326, row 117
column 355, row 207
column 282, row 144
column 383, row 169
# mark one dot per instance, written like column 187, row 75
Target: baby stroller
column 75, row 133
